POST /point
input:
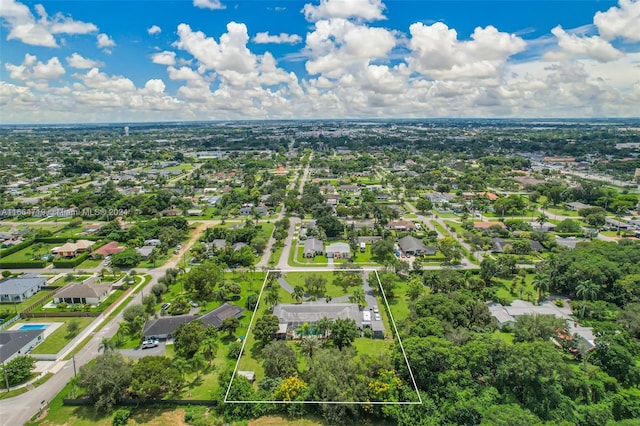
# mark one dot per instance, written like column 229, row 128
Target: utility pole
column 6, row 376
column 73, row 358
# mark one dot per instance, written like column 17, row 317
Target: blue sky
column 126, row 61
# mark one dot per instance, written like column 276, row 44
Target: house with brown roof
column 107, row 250
column 401, row 225
column 73, row 249
column 481, row 226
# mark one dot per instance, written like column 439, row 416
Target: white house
column 18, row 342
column 16, row 290
column 86, row 292
column 338, row 251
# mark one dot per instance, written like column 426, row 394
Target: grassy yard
column 27, row 254
column 59, row 338
column 69, row 232
column 274, row 258
column 302, row 261
column 507, row 337
column 90, row 264
column 521, row 292
column 372, row 347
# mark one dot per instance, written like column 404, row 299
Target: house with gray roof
column 412, row 246
column 219, row 314
column 16, row 290
column 87, row 292
column 338, row 251
column 165, row 327
column 294, row 315
column 18, row 342
column 313, row 247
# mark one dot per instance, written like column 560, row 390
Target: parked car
column 150, row 344
column 375, row 309
column 165, row 306
column 193, row 304
column 377, row 317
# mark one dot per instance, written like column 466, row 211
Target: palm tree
column 273, row 296
column 298, row 293
column 197, row 363
column 542, row 283
column 106, row 345
column 304, row 330
column 323, row 326
column 358, row 297
column 309, row 345
column 181, row 364
column 115, row 271
column 209, row 347
column 542, row 218
column 587, row 290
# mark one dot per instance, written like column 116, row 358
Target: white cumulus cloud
column 623, row 21
column 209, row 4
column 33, row 69
column 367, row 10
column 154, row 29
column 282, row 38
column 23, row 25
column 164, row 58
column 78, row 61
column 573, row 46
column 104, row 41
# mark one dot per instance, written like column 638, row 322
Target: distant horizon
column 295, row 120
column 220, row 60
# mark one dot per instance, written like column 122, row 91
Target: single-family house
column 16, row 290
column 219, row 314
column 338, row 251
column 313, row 247
column 238, row 246
column 412, row 246
column 87, row 292
column 483, row 226
column 615, row 224
column 294, row 315
column 401, row 225
column 107, row 250
column 219, row 243
column 164, row 327
column 18, row 342
column 502, row 317
column 73, row 249
column 576, row 206
column 248, row 209
column 145, row 251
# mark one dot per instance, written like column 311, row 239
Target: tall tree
column 343, row 332
column 587, row 290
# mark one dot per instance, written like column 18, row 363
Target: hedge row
column 62, row 240
column 34, row 264
column 71, row 263
column 16, row 248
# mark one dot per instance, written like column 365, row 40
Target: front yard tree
column 343, row 332
column 106, row 381
column 266, row 328
column 187, row 338
column 202, row 280
column 424, row 205
column 230, row 325
column 153, row 377
column 18, row 370
column 298, row 293
column 131, row 312
column 450, row 250
column 279, row 360
column 382, row 251
column 126, row 259
column 315, row 284
column 209, row 347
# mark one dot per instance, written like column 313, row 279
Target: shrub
column 559, row 303
column 234, row 349
column 121, row 417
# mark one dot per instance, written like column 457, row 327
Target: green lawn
column 69, row 232
column 274, row 258
column 372, row 347
column 89, row 264
column 504, row 290
column 302, row 261
column 507, row 337
column 59, row 338
column 27, row 253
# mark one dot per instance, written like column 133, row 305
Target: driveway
column 139, row 353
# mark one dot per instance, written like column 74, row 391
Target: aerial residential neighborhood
column 309, row 253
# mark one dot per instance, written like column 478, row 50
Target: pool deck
column 52, row 326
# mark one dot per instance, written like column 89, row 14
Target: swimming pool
column 33, row 327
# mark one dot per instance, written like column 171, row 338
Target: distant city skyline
column 199, row 60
